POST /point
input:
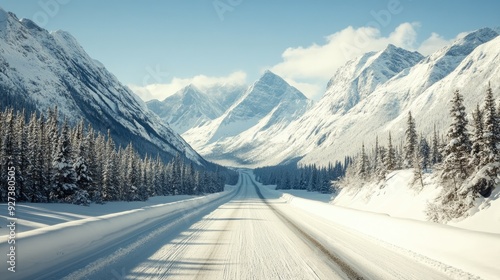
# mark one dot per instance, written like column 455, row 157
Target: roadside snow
column 445, row 247
column 399, row 197
column 37, row 215
column 47, row 245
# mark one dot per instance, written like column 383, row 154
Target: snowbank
column 472, row 251
column 399, row 197
column 40, row 248
column 37, row 215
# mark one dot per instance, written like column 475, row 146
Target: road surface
column 251, row 235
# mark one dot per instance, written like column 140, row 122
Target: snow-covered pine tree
column 436, row 156
column 486, row 158
column 51, row 143
column 160, row 178
column 145, row 183
column 456, row 198
column 477, row 139
column 363, row 164
column 376, row 159
column 64, row 175
column 110, row 188
column 46, row 159
column 390, row 162
column 381, row 170
column 491, row 136
column 9, row 150
column 23, row 161
column 95, row 189
column 132, row 174
column 457, row 151
column 191, row 175
column 83, row 176
column 314, row 181
column 100, row 159
column 35, row 179
column 425, row 153
column 411, row 142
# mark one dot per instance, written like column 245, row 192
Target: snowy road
column 252, row 234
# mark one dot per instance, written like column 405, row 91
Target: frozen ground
column 252, row 232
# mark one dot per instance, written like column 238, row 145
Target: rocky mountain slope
column 51, row 69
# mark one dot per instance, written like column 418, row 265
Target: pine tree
column 425, row 153
column 491, row 135
column 34, row 170
column 64, row 175
column 50, row 143
column 176, row 179
column 411, row 142
column 477, row 140
column 83, row 176
column 23, row 161
column 363, row 169
column 390, row 162
column 456, row 153
column 110, row 174
column 314, row 182
column 436, row 156
column 95, row 189
column 485, row 156
column 132, row 174
column 376, row 157
column 9, row 150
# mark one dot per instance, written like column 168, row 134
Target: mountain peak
column 359, row 77
column 3, row 14
column 391, row 47
column 464, row 46
column 395, row 49
column 270, row 83
column 269, row 76
column 190, row 89
column 30, row 24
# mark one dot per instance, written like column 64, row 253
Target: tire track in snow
column 346, row 268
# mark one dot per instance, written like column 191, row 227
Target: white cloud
column 162, row 91
column 321, row 61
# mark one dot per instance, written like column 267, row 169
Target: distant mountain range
column 41, row 70
column 191, row 107
column 369, row 96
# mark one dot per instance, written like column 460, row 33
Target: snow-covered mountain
column 268, row 106
column 51, row 69
column 367, row 97
column 424, row 89
column 360, row 77
column 191, row 107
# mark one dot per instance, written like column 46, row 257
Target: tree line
column 54, row 162
column 466, row 160
column 306, row 177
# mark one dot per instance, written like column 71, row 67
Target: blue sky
column 157, row 46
